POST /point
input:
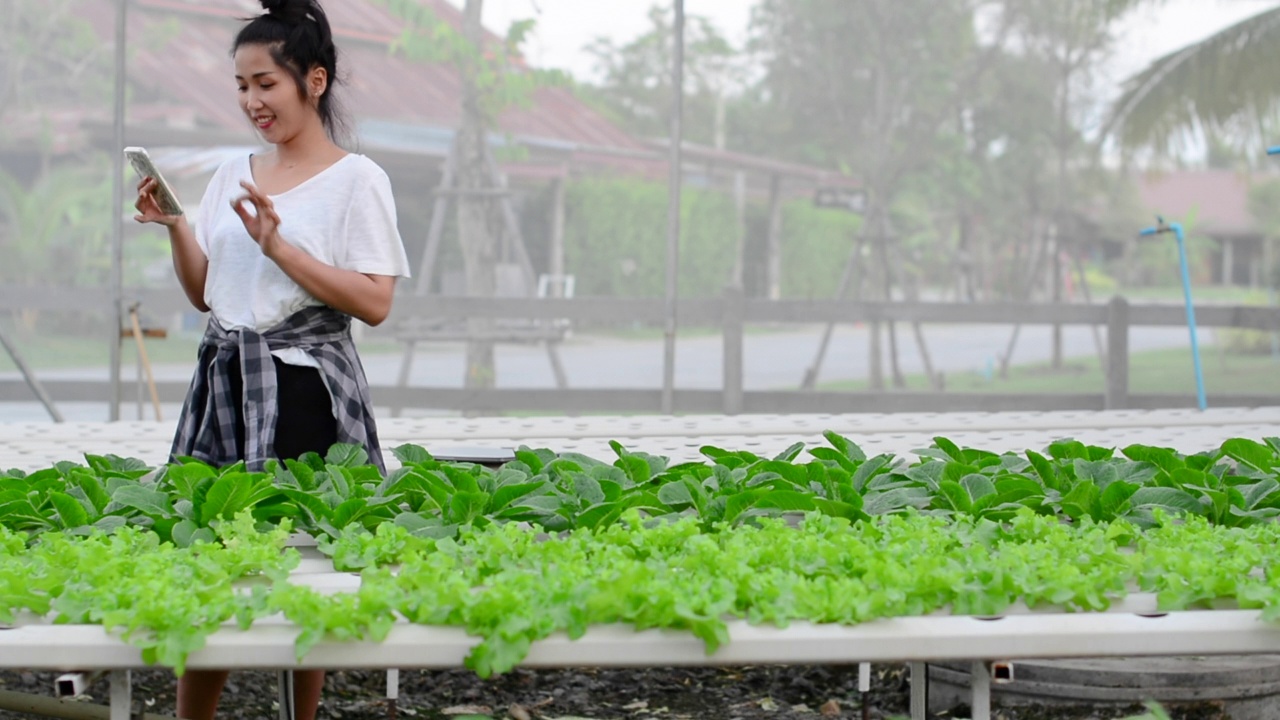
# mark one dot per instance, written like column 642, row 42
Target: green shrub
column 816, row 246
column 615, row 242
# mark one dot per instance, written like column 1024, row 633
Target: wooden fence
column 732, row 313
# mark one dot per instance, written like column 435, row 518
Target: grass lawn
column 1155, row 371
column 52, row 352
column 1219, row 294
column 44, row 352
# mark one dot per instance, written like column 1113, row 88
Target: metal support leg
column 980, row 686
column 919, row 690
column 121, row 695
column 393, row 692
column 285, row 687
column 864, row 687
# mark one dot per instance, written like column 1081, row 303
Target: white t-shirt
column 344, row 216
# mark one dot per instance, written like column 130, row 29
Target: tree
column 635, row 84
column 51, row 231
column 990, row 180
column 1070, row 38
column 1223, row 84
column 50, row 57
column 870, row 87
column 965, row 119
column 493, row 78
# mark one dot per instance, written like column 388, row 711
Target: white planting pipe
column 269, row 645
column 77, row 683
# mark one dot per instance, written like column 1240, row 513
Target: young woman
column 290, row 244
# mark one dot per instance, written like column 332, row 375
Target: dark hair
column 297, row 34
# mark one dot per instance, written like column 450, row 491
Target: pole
column 673, row 211
column 121, row 707
column 1191, row 313
column 30, row 377
column 1272, row 277
column 1161, row 228
column 117, row 202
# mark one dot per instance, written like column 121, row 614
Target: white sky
column 566, row 26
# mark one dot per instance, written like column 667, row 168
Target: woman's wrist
column 277, row 249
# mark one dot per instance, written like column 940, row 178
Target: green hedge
column 816, row 245
column 615, row 242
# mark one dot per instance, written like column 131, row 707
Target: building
column 1213, row 204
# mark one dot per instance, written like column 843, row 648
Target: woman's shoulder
column 232, row 169
column 235, row 163
column 361, row 168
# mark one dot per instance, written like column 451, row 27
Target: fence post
column 1117, row 397
column 734, row 312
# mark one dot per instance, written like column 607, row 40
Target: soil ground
column 742, row 693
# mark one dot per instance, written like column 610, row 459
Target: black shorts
column 304, row 420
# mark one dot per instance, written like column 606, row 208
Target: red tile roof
column 180, row 60
column 193, row 69
column 1217, row 199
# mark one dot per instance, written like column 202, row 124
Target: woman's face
column 269, row 95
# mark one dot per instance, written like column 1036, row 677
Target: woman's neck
column 309, row 146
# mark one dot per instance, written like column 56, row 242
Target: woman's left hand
column 263, row 223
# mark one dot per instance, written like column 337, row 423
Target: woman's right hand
column 148, row 208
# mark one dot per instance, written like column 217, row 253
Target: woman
column 289, row 245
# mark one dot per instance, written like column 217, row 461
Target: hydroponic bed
column 954, row 553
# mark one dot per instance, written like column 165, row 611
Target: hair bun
column 290, row 11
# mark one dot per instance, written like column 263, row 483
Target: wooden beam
column 704, row 311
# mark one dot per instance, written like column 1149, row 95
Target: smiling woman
column 290, row 245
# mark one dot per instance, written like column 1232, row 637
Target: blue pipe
column 1176, row 229
column 1273, row 150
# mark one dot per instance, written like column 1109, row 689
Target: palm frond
column 1203, row 87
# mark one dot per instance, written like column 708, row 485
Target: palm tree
column 1225, row 82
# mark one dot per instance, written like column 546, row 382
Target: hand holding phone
column 165, row 199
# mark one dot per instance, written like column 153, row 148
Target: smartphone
column 166, row 198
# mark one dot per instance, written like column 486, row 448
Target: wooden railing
column 732, row 314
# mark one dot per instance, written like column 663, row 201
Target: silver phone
column 166, row 198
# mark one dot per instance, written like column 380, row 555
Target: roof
column 401, row 110
column 193, row 69
column 380, row 85
column 1217, row 199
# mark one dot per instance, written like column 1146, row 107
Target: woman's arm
column 189, row 261
column 366, row 297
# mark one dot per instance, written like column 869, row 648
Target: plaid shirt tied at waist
column 207, row 426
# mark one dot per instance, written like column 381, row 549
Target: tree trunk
column 895, row 367
column 479, row 246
